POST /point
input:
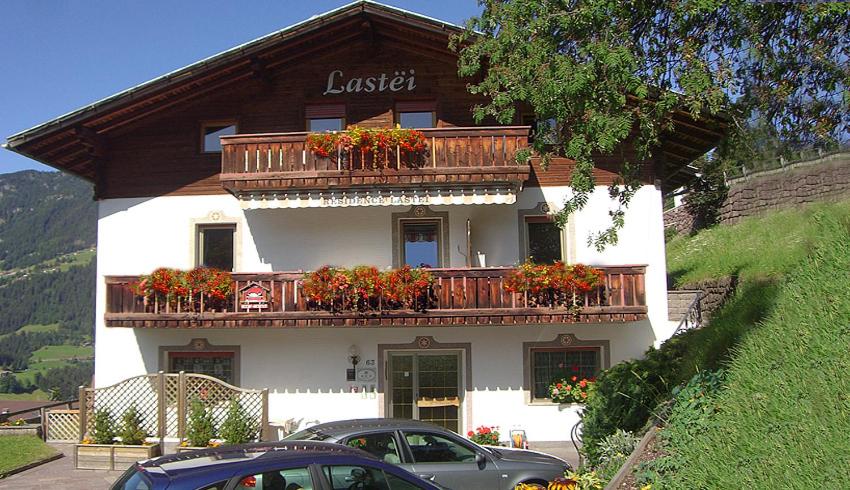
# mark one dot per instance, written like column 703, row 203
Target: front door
column 425, row 386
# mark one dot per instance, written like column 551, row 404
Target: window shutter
column 325, row 111
column 416, row 106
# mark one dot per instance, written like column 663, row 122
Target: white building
column 260, row 203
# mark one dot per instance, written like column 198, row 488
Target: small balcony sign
column 254, row 297
column 397, row 81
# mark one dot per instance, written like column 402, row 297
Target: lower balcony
column 459, row 296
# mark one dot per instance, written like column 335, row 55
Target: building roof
column 77, row 142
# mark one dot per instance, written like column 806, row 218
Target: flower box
column 111, row 456
column 20, row 430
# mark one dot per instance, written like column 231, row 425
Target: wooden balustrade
column 460, row 297
column 453, row 156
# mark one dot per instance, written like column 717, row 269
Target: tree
column 607, row 72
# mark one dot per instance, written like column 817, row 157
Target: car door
column 383, row 444
column 451, row 461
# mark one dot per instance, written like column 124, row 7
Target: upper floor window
column 421, row 246
column 215, row 246
column 547, row 129
column 211, row 131
column 544, row 239
column 325, row 117
column 416, row 114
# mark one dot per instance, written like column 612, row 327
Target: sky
column 60, row 55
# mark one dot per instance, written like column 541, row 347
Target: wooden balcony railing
column 453, row 156
column 461, row 297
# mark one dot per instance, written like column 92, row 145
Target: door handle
column 427, row 476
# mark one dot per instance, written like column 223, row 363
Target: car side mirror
column 481, row 461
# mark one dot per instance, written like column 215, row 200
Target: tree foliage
column 608, row 72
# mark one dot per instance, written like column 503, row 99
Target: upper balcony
column 471, row 296
column 454, row 158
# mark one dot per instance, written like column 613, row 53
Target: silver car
column 440, row 455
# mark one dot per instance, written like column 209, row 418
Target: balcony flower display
column 365, row 288
column 185, row 290
column 380, row 143
column 555, row 284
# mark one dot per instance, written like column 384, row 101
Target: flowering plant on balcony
column 555, row 284
column 365, row 288
column 571, row 390
column 486, row 436
column 184, row 289
column 377, row 141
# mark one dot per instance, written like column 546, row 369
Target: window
column 356, row 477
column 550, row 364
column 210, row 133
column 382, row 445
column 421, row 243
column 433, row 448
column 544, row 239
column 545, row 129
column 325, row 117
column 215, row 246
column 416, row 114
column 217, row 364
column 287, row 479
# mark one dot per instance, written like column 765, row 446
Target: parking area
column 60, row 474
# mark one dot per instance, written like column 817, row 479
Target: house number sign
column 397, row 81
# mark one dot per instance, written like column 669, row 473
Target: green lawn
column 58, row 352
column 756, row 249
column 17, row 451
column 35, row 395
column 784, row 413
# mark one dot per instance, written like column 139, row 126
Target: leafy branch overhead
column 606, row 72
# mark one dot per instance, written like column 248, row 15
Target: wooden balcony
column 454, row 157
column 461, row 297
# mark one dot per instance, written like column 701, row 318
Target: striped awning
column 376, row 197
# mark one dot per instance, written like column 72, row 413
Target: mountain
column 48, row 231
column 44, row 215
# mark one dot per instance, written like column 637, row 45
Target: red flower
column 582, row 383
column 574, row 378
column 470, row 434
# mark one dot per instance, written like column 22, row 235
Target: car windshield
column 132, row 479
column 307, row 435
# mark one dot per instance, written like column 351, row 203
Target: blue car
column 278, row 466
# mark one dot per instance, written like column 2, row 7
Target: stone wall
column 715, row 293
column 822, row 179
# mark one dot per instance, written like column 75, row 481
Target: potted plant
column 100, row 452
column 571, row 390
column 201, row 430
column 237, row 428
column 485, row 436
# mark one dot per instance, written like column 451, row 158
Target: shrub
column 131, row 428
column 201, row 425
column 613, row 451
column 103, row 431
column 237, row 428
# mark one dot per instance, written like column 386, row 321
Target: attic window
column 210, row 133
column 325, row 117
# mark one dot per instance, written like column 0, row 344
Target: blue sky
column 60, row 55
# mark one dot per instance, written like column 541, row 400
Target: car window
column 347, row 477
column 215, row 486
column 381, row 444
column 132, row 479
column 433, row 448
column 288, row 479
column 397, row 483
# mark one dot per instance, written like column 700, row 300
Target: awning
column 376, row 197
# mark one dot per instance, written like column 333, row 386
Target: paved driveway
column 60, row 475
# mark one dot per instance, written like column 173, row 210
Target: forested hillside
column 47, row 236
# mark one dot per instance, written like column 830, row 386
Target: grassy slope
column 17, row 451
column 786, row 412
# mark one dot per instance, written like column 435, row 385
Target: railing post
column 181, row 405
column 43, row 414
column 161, row 398
column 264, row 417
column 83, row 415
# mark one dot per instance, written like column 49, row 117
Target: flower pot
column 20, row 430
column 570, row 406
column 111, row 456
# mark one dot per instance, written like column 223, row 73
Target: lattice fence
column 163, row 400
column 62, row 426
